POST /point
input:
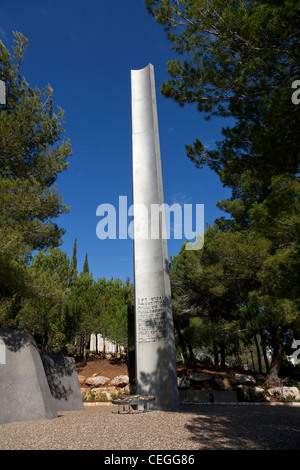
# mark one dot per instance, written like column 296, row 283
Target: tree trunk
column 237, row 353
column 80, row 347
column 75, row 345
column 272, row 379
column 258, row 353
column 223, row 356
column 84, row 349
column 131, row 364
column 264, row 349
column 180, row 338
column 128, row 360
column 253, row 365
column 191, row 352
column 216, row 355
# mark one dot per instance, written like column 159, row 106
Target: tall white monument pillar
column 2, row 92
column 155, row 346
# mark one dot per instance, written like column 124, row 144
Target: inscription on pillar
column 151, row 319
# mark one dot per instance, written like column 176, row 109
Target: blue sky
column 85, row 50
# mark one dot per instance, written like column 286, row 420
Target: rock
column 120, row 381
column 250, row 394
column 245, row 379
column 108, row 393
column 198, row 377
column 284, row 393
column 223, row 382
column 126, row 390
column 260, row 379
column 259, row 393
column 183, row 382
column 81, row 379
column 96, row 381
column 85, row 393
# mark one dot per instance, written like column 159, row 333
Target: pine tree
column 238, row 60
column 74, row 257
column 86, row 265
column 33, row 152
column 74, row 273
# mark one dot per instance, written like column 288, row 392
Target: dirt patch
column 195, row 366
column 108, row 367
column 112, row 367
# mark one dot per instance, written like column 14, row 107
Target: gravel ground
column 193, row 428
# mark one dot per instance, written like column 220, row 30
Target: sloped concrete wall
column 24, row 390
column 63, row 382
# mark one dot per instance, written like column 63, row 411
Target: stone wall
column 214, row 388
column 101, row 388
column 34, row 385
column 196, row 388
column 24, row 389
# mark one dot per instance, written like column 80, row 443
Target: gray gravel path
column 193, row 428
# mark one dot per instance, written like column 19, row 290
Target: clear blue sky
column 85, row 50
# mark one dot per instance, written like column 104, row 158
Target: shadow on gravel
column 244, row 427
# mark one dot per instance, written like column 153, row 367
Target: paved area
column 197, row 427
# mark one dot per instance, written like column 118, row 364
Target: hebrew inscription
column 151, row 319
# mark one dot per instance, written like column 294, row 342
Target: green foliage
column 116, row 306
column 238, row 60
column 43, row 311
column 33, row 153
column 61, row 306
column 232, row 52
column 231, row 289
column 74, row 272
column 86, row 269
column 103, row 306
column 81, row 303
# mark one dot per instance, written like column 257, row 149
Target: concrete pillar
column 93, row 342
column 155, row 346
column 2, row 92
column 100, row 345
